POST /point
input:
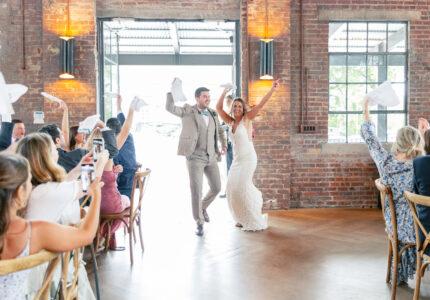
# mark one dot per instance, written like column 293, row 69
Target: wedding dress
column 245, row 200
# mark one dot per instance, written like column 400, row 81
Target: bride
column 244, row 199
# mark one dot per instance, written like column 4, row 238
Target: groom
column 198, row 142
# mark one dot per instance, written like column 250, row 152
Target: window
column 362, row 55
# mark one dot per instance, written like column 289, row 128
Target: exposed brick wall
column 14, row 67
column 44, row 22
column 171, row 9
column 337, row 179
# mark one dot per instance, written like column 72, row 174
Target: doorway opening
column 142, row 57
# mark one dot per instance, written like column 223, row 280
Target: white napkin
column 51, row 98
column 9, row 93
column 137, row 103
column 88, row 124
column 177, row 92
column 38, row 117
column 383, row 95
column 228, row 86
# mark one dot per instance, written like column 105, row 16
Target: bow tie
column 204, row 112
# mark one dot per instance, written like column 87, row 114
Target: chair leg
column 130, row 238
column 418, row 278
column 107, row 240
column 395, row 272
column 95, row 269
column 390, row 258
column 139, row 224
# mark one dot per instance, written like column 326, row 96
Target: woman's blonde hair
column 36, row 148
column 408, row 142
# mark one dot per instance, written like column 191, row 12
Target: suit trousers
column 196, row 168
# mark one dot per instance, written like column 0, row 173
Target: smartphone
column 98, row 147
column 87, row 176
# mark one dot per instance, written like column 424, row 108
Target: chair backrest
column 140, row 182
column 413, row 200
column 9, row 266
column 387, row 195
column 69, row 288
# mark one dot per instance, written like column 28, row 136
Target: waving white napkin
column 176, row 90
column 9, row 93
column 228, row 86
column 383, row 95
column 137, row 103
column 51, row 98
column 88, row 124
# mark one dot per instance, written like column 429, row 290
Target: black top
column 422, row 187
column 6, row 135
column 69, row 160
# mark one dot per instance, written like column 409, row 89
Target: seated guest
column 55, row 195
column 77, row 139
column 112, row 200
column 20, row 237
column 422, row 178
column 127, row 153
column 67, row 159
column 396, row 171
column 18, row 130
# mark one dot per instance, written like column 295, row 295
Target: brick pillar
column 272, row 127
column 79, row 93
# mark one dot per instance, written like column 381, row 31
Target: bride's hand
column 276, row 84
column 223, row 150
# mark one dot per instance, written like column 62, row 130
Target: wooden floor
column 305, row 254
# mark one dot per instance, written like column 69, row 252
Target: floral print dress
column 398, row 176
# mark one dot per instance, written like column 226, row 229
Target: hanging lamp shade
column 266, row 59
column 67, row 45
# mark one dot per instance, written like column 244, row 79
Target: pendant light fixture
column 67, row 45
column 266, row 50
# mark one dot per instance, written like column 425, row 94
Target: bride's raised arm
column 254, row 111
column 219, row 108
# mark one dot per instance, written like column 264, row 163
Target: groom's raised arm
column 172, row 108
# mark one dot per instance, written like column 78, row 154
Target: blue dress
column 398, row 176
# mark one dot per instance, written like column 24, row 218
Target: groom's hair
column 200, row 90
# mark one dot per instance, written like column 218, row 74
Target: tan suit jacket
column 190, row 127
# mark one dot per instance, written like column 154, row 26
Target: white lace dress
column 244, row 199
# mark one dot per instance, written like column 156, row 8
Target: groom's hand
column 223, row 150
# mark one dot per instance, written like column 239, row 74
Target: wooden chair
column 130, row 216
column 394, row 254
column 423, row 260
column 68, row 288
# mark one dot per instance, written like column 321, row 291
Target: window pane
column 377, row 37
column 376, row 68
column 396, row 68
column 336, row 128
column 396, row 37
column 394, row 123
column 354, row 125
column 399, row 88
column 357, row 68
column 337, row 100
column 337, row 71
column 337, row 37
column 357, row 37
column 356, row 93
